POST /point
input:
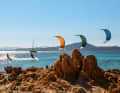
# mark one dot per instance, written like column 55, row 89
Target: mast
column 32, row 50
column 33, row 45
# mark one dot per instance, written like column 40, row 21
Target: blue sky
column 22, row 21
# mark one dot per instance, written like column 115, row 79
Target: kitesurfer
column 46, row 66
column 8, row 57
column 31, row 54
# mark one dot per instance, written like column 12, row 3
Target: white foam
column 17, row 59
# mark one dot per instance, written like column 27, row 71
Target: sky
column 22, row 21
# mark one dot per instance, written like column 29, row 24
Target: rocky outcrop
column 69, row 74
column 93, row 71
column 69, row 67
column 2, row 79
column 14, row 72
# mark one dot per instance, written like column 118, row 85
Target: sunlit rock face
column 69, row 67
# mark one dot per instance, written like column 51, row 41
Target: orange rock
column 68, row 67
column 12, row 76
column 57, row 67
column 90, row 65
column 77, row 61
column 8, row 69
column 78, row 90
column 94, row 72
column 63, row 67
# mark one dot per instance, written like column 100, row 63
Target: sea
column 106, row 60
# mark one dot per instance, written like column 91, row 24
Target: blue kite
column 108, row 35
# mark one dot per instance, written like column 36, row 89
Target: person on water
column 8, row 57
column 46, row 67
column 31, row 54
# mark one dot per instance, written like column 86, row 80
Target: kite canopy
column 108, row 35
column 84, row 40
column 62, row 41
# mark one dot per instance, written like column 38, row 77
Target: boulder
column 77, row 62
column 94, row 72
column 32, row 69
column 69, row 67
column 8, row 69
column 2, row 79
column 17, row 70
column 12, row 76
column 63, row 67
column 77, row 89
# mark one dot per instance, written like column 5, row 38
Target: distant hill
column 72, row 46
column 8, row 48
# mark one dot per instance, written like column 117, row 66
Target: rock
column 77, row 62
column 8, row 69
column 12, row 76
column 63, row 67
column 94, row 72
column 30, row 69
column 51, row 77
column 57, row 67
column 26, row 88
column 115, row 71
column 68, row 67
column 31, row 74
column 17, row 70
column 91, row 68
column 69, row 74
column 78, row 89
column 90, row 65
column 114, row 88
column 77, row 59
column 13, row 72
column 3, row 81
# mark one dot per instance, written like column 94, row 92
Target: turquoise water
column 106, row 60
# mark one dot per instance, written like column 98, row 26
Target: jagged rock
column 32, row 69
column 78, row 90
column 31, row 74
column 90, row 65
column 114, row 88
column 77, row 62
column 2, row 79
column 12, row 76
column 68, row 67
column 14, row 72
column 8, row 69
column 115, row 71
column 91, row 68
column 64, row 68
column 94, row 72
column 17, row 70
column 77, row 59
column 51, row 77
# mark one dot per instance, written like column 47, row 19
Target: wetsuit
column 32, row 55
